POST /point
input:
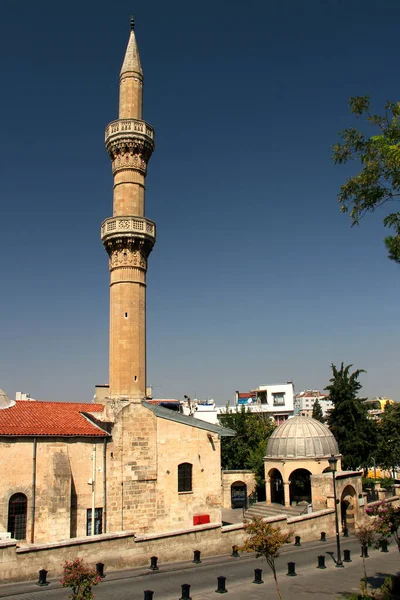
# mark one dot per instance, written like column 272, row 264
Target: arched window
column 185, row 477
column 17, row 511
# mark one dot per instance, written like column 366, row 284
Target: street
column 310, row 582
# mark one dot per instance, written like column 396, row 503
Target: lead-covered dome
column 302, row 437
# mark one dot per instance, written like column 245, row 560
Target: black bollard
column 258, row 576
column 148, row 595
column 345, row 532
column 42, row 578
column 384, row 546
column 185, row 592
column 196, row 557
column 221, row 589
column 100, row 570
column 291, row 566
column 321, row 562
column 346, row 554
column 297, row 540
column 364, row 551
column 235, row 551
column 323, row 536
column 153, row 563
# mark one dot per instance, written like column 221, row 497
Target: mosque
column 70, row 470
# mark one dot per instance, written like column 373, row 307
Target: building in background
column 306, row 399
column 275, row 400
column 376, row 406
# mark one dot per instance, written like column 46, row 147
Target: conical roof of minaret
column 132, row 59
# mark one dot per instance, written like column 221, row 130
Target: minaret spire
column 128, row 236
column 131, row 80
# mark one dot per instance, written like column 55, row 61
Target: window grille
column 185, row 477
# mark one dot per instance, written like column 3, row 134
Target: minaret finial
column 132, row 23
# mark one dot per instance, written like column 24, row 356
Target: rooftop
column 61, row 419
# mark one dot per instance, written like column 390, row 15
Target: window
column 279, row 399
column 185, row 477
column 17, row 511
column 98, row 521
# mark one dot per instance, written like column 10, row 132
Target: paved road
column 310, row 582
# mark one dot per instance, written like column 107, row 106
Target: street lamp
column 332, row 465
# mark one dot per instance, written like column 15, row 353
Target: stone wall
column 229, row 477
column 124, row 550
column 63, row 468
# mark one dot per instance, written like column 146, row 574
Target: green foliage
column 246, row 450
column 266, row 541
column 388, row 450
column 348, row 420
column 379, row 178
column 81, row 578
column 317, row 412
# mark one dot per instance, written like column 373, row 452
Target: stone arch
column 276, row 486
column 300, row 486
column 348, row 508
column 238, row 494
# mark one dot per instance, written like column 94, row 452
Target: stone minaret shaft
column 128, row 236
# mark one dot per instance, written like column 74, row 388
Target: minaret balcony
column 128, row 226
column 129, row 135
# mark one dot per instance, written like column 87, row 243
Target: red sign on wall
column 201, row 519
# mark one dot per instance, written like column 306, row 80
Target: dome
column 302, row 437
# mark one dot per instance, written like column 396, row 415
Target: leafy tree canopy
column 246, row 450
column 388, row 450
column 317, row 412
column 378, row 181
column 348, row 420
column 266, row 541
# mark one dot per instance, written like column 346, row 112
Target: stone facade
column 229, row 478
column 62, row 494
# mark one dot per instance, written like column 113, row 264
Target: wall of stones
column 63, row 468
column 124, row 550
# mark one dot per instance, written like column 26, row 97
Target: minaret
column 128, row 236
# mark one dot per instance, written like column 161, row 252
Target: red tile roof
column 49, row 418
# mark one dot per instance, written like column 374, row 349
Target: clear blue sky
column 256, row 277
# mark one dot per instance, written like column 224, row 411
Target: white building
column 305, row 402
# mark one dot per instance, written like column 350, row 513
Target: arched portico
column 274, row 488
column 300, row 486
column 238, row 494
column 348, row 507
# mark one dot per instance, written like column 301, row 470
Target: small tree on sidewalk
column 265, row 540
column 81, row 578
column 366, row 535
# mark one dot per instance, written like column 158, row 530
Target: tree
column 246, row 450
column 348, row 420
column 378, row 181
column 317, row 411
column 365, row 534
column 388, row 450
column 81, row 578
column 265, row 540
